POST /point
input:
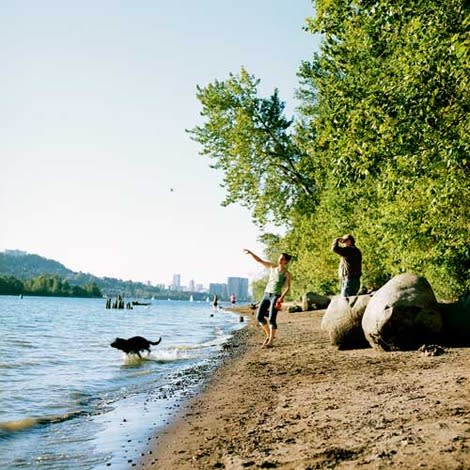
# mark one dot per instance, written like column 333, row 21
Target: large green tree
column 391, row 118
column 249, row 139
column 380, row 146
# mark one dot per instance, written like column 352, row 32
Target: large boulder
column 342, row 321
column 456, row 321
column 403, row 314
column 312, row 301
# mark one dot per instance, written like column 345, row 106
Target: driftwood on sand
column 312, row 301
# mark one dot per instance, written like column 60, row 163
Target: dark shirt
column 351, row 260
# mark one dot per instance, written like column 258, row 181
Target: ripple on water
column 68, row 397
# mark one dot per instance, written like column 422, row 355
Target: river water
column 70, row 401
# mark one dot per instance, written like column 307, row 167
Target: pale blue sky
column 95, row 98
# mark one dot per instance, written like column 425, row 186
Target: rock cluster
column 402, row 315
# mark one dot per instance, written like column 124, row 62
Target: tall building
column 238, row 286
column 176, row 284
column 220, row 290
column 191, row 286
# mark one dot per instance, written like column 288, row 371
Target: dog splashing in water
column 134, row 345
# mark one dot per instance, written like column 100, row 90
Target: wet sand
column 305, row 405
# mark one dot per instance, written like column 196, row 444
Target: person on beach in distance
column 350, row 266
column 276, row 289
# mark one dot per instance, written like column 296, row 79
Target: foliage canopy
column 380, row 146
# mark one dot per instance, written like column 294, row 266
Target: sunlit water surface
column 70, row 401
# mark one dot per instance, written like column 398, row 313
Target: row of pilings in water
column 118, row 303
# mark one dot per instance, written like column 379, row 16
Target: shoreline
column 306, row 405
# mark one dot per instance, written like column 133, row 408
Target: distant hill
column 25, row 266
column 22, row 265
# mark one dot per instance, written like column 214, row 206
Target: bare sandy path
column 305, row 405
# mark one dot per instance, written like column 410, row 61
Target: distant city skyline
column 176, row 283
column 47, row 266
column 239, row 286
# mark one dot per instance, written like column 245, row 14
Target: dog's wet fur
column 134, row 345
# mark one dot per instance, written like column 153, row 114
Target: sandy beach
column 303, row 404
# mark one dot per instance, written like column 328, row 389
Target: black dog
column 134, row 345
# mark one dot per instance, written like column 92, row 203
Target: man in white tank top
column 276, row 289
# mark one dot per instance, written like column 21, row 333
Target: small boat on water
column 134, row 302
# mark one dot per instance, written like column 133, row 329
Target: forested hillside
column 379, row 146
column 27, row 266
column 37, row 274
column 46, row 285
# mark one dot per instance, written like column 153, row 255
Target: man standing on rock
column 350, row 266
column 276, row 289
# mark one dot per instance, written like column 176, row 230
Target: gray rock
column 342, row 321
column 312, row 301
column 402, row 315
